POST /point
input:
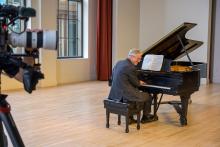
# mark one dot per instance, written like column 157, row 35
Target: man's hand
column 142, row 82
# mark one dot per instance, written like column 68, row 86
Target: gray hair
column 134, row 51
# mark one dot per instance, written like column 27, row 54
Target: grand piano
column 168, row 81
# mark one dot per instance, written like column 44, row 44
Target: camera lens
column 41, row 39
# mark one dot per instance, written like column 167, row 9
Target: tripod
column 7, row 119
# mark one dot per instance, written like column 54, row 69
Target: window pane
column 18, row 25
column 63, row 43
column 63, row 5
column 70, row 32
column 63, row 28
column 2, row 1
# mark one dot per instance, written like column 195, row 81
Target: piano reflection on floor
column 172, row 79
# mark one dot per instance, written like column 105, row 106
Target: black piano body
column 173, row 46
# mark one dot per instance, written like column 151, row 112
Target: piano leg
column 184, row 109
column 181, row 108
column 156, row 105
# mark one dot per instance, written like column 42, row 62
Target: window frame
column 58, row 27
column 24, row 2
column 20, row 24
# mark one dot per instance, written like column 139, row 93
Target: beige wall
column 125, row 27
column 73, row 70
column 152, row 22
column 48, row 20
column 8, row 83
column 76, row 70
column 62, row 71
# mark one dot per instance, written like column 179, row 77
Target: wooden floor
column 73, row 116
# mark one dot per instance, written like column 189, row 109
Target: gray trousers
column 145, row 105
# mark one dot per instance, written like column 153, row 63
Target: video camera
column 13, row 63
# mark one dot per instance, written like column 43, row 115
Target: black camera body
column 11, row 63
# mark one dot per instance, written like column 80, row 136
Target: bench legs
column 107, row 118
column 126, row 120
column 119, row 119
column 127, row 123
column 138, row 120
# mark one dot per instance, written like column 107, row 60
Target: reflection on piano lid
column 170, row 45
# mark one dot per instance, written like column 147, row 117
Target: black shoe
column 148, row 118
column 132, row 120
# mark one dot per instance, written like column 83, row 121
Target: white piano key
column 155, row 86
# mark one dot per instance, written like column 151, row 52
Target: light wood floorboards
column 73, row 116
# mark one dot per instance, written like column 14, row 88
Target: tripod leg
column 1, row 134
column 11, row 129
column 3, row 137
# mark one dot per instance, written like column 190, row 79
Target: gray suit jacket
column 125, row 83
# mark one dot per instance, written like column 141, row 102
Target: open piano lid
column 170, row 46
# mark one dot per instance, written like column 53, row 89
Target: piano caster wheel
column 107, row 125
column 183, row 121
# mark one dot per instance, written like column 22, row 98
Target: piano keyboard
column 155, row 86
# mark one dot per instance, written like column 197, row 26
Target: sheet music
column 152, row 62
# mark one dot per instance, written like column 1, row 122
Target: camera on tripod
column 13, row 63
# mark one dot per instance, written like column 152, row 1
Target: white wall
column 216, row 65
column 153, row 19
column 196, row 11
column 125, row 27
column 159, row 17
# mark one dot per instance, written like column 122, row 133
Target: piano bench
column 124, row 109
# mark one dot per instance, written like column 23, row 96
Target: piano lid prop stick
column 184, row 49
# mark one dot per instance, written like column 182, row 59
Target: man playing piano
column 125, row 85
